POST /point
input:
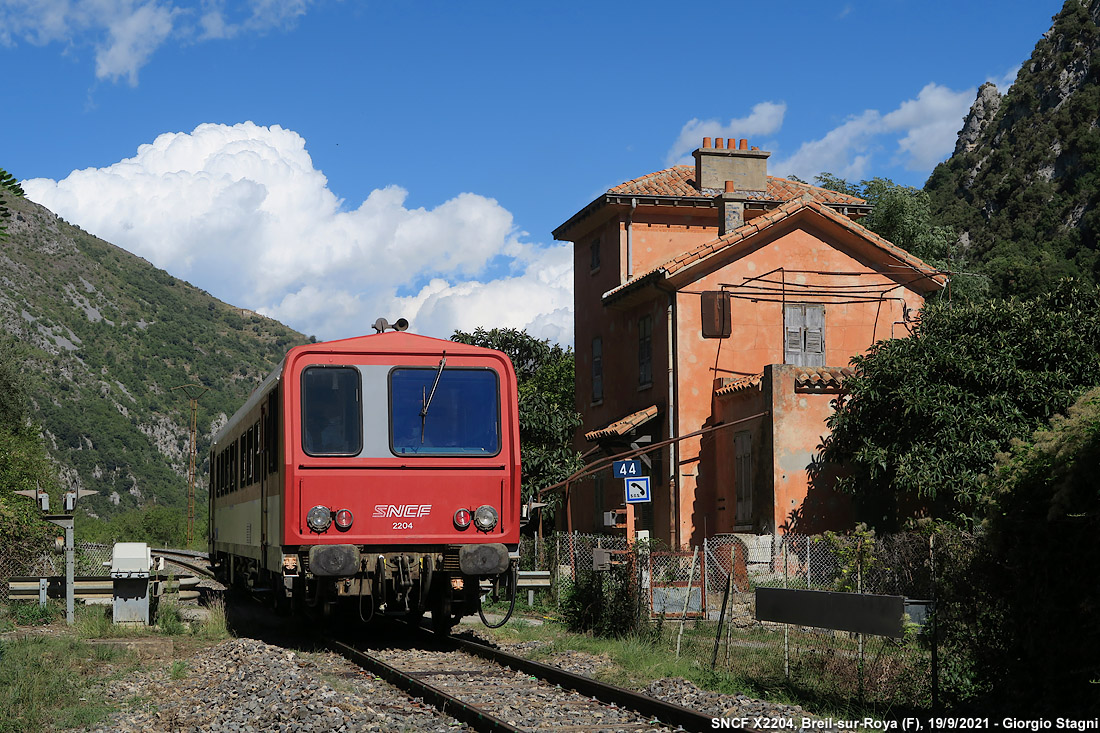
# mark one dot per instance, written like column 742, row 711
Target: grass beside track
column 49, row 672
column 635, row 661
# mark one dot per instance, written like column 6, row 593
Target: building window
column 597, row 369
column 742, row 476
column 804, row 335
column 595, row 251
column 645, row 351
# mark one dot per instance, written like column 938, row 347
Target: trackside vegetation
column 48, row 679
column 925, row 418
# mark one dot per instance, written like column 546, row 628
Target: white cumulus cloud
column 764, row 119
column 126, row 33
column 240, row 211
column 919, row 133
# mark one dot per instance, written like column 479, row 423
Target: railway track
column 491, row 690
column 192, row 561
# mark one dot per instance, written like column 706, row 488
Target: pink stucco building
column 719, row 300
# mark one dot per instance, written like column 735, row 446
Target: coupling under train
column 377, row 475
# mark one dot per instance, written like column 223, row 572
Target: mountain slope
column 106, row 337
column 1023, row 186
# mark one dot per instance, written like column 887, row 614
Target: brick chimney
column 746, row 168
column 731, row 209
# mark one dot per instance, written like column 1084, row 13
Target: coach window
column 231, row 485
column 444, row 412
column 271, row 441
column 221, row 473
column 242, row 464
column 332, row 423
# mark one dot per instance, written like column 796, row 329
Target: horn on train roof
column 382, row 324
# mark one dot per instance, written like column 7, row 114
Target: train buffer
column 532, row 579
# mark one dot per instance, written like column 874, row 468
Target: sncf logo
column 402, row 510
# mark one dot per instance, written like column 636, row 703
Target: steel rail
column 666, row 712
column 471, row 715
column 174, row 557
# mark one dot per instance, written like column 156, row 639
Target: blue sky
column 327, row 162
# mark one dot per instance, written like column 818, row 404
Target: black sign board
column 857, row 612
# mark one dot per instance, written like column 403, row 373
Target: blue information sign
column 637, row 490
column 626, row 469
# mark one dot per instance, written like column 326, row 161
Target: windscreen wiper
column 428, row 401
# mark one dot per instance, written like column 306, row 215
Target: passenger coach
column 379, row 473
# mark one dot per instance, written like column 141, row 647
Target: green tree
column 547, row 417
column 903, row 215
column 9, row 186
column 158, row 525
column 23, row 463
column 925, row 417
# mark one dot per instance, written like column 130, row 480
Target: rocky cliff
column 1023, row 185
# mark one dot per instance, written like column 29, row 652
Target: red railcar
column 381, row 473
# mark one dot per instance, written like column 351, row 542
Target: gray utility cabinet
column 131, row 563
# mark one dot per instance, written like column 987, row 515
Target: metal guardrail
column 95, row 587
column 530, row 580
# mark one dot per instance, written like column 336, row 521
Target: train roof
column 396, row 342
column 390, row 342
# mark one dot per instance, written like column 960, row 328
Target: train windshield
column 462, row 417
column 331, row 413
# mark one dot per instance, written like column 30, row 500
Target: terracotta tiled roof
column 623, row 426
column 822, row 379
column 739, row 384
column 763, row 222
column 680, row 181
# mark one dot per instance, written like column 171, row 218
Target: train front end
column 402, row 475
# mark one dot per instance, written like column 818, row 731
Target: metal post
column 786, row 627
column 687, row 598
column 859, row 589
column 725, row 600
column 65, row 521
column 706, row 555
column 70, row 575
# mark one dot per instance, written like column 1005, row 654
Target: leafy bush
column 926, row 417
column 606, row 603
column 1031, row 644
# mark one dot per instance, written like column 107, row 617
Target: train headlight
column 485, row 518
column 319, row 518
column 344, row 518
column 462, row 518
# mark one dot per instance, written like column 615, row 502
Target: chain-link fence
column 703, row 603
column 90, row 559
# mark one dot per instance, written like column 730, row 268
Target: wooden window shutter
column 813, row 343
column 715, row 314
column 804, row 335
column 794, row 340
column 794, row 318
